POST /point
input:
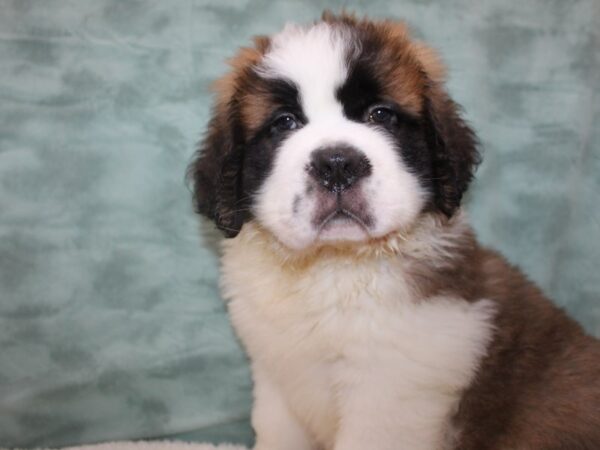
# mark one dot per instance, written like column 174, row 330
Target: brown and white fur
column 335, row 163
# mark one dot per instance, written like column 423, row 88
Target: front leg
column 378, row 417
column 275, row 426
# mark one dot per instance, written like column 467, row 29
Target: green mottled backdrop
column 110, row 322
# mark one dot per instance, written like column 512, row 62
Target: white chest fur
column 341, row 342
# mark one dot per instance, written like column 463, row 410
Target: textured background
column 110, row 322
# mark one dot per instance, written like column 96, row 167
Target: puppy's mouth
column 340, row 216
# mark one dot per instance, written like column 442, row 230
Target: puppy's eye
column 284, row 122
column 381, row 115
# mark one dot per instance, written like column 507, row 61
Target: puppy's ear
column 453, row 147
column 215, row 174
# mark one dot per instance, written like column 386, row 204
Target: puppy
column 335, row 163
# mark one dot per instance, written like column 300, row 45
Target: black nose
column 337, row 168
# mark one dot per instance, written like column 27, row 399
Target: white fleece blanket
column 155, row 445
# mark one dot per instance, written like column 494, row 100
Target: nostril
column 321, row 169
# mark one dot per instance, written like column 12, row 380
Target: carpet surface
column 111, row 326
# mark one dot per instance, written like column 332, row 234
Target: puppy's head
column 337, row 131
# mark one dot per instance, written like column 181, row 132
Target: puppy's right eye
column 381, row 115
column 284, row 122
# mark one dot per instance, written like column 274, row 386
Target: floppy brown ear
column 453, row 146
column 216, row 172
column 216, row 175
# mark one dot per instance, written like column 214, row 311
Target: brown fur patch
column 253, row 108
column 402, row 72
column 539, row 386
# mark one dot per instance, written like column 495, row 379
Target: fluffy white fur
column 314, row 58
column 343, row 357
column 153, row 445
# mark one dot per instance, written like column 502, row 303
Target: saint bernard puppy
column 335, row 163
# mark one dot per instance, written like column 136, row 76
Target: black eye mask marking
column 283, row 93
column 287, row 114
column 261, row 148
column 360, row 90
column 364, row 100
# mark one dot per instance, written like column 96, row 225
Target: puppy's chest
column 314, row 333
column 341, row 315
column 323, row 314
column 345, row 329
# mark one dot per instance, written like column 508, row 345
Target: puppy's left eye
column 285, row 122
column 381, row 115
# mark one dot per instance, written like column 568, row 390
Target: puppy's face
column 339, row 131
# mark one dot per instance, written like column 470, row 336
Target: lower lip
column 342, row 229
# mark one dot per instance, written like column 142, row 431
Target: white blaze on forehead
column 314, row 58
